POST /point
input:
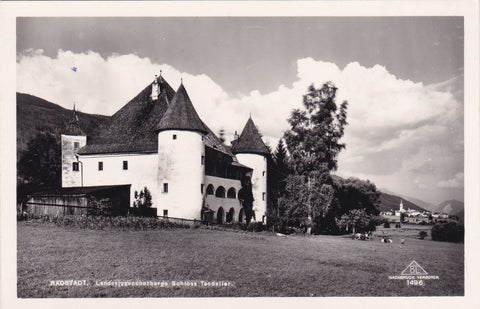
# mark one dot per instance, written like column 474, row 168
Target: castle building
column 157, row 141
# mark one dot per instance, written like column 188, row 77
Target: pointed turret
column 181, row 158
column 181, row 114
column 250, row 141
column 73, row 125
column 73, row 139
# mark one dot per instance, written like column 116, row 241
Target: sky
column 402, row 78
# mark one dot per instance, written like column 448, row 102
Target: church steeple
column 73, row 125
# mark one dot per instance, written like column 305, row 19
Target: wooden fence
column 57, row 205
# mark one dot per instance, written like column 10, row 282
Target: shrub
column 101, row 207
column 422, row 235
column 386, row 225
column 102, row 222
column 255, row 227
column 452, row 231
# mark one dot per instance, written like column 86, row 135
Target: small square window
column 100, row 166
column 165, row 212
column 174, row 136
column 75, row 166
column 165, row 188
column 263, row 173
column 125, row 165
column 76, row 145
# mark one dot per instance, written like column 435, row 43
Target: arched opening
column 210, row 190
column 230, row 215
column 240, row 215
column 220, row 192
column 231, row 193
column 220, row 213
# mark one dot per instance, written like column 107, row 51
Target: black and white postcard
column 240, row 153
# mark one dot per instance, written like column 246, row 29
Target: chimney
column 155, row 89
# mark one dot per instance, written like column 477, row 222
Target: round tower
column 252, row 152
column 73, row 139
column 181, row 159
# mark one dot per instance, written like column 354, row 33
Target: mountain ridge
column 36, row 115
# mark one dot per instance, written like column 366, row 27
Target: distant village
column 413, row 216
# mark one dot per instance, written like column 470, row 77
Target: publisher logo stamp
column 415, row 275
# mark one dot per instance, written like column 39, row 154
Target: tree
column 314, row 138
column 280, row 159
column 143, row 202
column 353, row 193
column 245, row 195
column 357, row 220
column 313, row 142
column 277, row 172
column 40, row 165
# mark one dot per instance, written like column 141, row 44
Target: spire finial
column 160, row 72
column 181, row 80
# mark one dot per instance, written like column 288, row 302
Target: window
column 210, row 190
column 165, row 187
column 165, row 212
column 263, row 196
column 231, row 193
column 203, row 160
column 76, row 145
column 75, row 166
column 201, row 188
column 100, row 166
column 125, row 165
column 263, row 173
column 174, row 136
column 220, row 192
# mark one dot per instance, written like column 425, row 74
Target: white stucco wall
column 71, row 178
column 141, row 172
column 179, row 165
column 214, row 203
column 259, row 181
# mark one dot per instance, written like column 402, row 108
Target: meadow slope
column 259, row 264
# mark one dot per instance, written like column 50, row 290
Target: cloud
column 401, row 134
column 455, row 182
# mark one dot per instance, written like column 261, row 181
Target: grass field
column 259, row 264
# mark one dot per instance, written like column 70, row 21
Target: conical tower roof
column 181, row 114
column 73, row 125
column 250, row 141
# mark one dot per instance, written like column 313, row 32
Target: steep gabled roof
column 211, row 140
column 250, row 141
column 132, row 128
column 73, row 125
column 181, row 115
